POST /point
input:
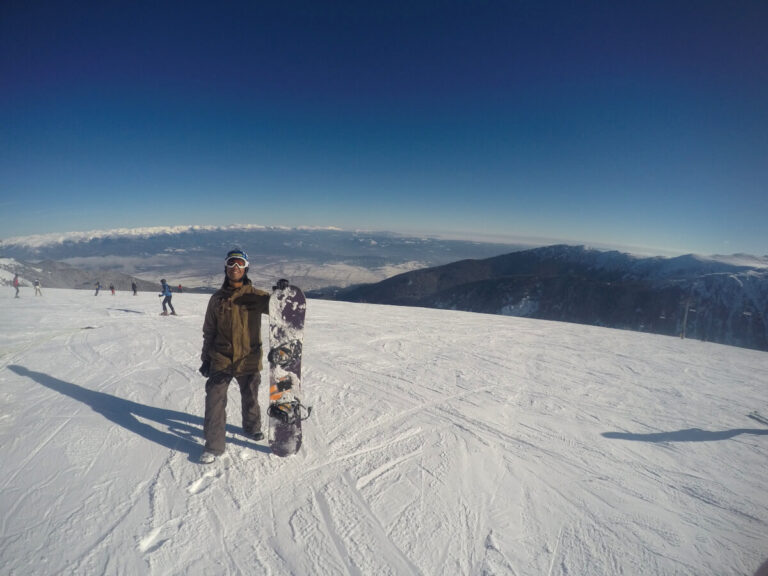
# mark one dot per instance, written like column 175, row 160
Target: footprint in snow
column 153, row 541
column 202, row 483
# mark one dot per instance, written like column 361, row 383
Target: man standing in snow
column 232, row 349
column 38, row 291
column 16, row 284
column 166, row 291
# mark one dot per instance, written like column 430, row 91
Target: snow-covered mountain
column 717, row 299
column 192, row 255
column 441, row 442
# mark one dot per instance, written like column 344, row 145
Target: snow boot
column 207, row 457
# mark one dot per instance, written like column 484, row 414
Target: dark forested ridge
column 714, row 299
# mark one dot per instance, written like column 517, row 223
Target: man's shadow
column 183, row 429
column 689, row 435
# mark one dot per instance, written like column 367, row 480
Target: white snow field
column 440, row 443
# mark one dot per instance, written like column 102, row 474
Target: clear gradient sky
column 616, row 123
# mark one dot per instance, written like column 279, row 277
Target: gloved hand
column 255, row 302
column 205, row 368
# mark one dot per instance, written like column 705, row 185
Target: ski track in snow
column 440, row 443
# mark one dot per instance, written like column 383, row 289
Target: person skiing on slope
column 38, row 291
column 167, row 300
column 16, row 284
column 232, row 349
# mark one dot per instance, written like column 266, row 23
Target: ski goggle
column 241, row 263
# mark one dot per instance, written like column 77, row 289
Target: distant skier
column 180, row 289
column 98, row 287
column 134, row 288
column 232, row 349
column 16, row 284
column 38, row 291
column 166, row 291
column 112, row 289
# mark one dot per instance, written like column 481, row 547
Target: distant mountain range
column 194, row 255
column 718, row 299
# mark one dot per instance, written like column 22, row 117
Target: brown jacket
column 232, row 332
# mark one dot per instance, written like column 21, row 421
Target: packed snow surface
column 440, row 443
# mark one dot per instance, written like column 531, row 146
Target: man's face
column 235, row 269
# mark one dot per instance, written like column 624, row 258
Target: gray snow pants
column 214, row 426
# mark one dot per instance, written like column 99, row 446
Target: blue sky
column 615, row 123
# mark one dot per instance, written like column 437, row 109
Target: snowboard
column 287, row 306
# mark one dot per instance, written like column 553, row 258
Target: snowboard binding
column 282, row 284
column 284, row 355
column 289, row 412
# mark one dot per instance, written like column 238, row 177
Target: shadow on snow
column 127, row 310
column 182, row 429
column 689, row 435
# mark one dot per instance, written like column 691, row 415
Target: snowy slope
column 441, row 443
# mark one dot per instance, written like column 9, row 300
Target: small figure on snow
column 98, row 287
column 134, row 288
column 112, row 289
column 180, row 289
column 16, row 284
column 232, row 349
column 38, row 291
column 166, row 291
